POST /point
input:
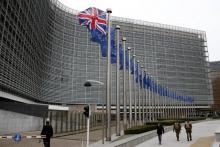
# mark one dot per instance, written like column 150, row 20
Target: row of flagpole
column 153, row 103
column 151, row 100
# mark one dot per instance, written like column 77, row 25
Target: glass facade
column 47, row 56
column 22, row 40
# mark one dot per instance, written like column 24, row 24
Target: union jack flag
column 93, row 18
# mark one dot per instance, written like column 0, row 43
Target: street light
column 88, row 83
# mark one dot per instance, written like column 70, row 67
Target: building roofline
column 135, row 21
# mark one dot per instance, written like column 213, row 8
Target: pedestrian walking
column 188, row 127
column 160, row 131
column 48, row 131
column 177, row 129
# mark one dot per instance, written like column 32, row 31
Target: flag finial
column 117, row 27
column 109, row 10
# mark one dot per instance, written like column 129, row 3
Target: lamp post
column 88, row 83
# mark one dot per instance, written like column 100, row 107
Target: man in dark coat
column 160, row 131
column 188, row 127
column 177, row 129
column 48, row 131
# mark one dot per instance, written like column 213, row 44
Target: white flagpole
column 108, row 85
column 184, row 108
column 178, row 109
column 163, row 105
column 158, row 98
column 129, row 86
column 170, row 99
column 154, row 105
column 175, row 105
column 171, row 102
column 146, row 103
column 191, row 110
column 188, row 112
column 168, row 105
column 187, row 109
column 150, row 104
column 142, row 93
column 194, row 107
column 124, row 87
column 117, row 85
column 139, row 96
column 134, row 88
column 152, row 101
column 182, row 103
column 174, row 108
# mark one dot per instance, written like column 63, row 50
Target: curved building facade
column 46, row 56
column 22, row 42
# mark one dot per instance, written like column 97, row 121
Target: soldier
column 188, row 127
column 177, row 129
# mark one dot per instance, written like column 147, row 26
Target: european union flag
column 132, row 65
column 140, row 79
column 136, row 72
column 179, row 98
column 121, row 56
column 148, row 82
column 175, row 95
column 190, row 100
column 162, row 91
column 126, row 59
column 145, row 80
column 113, row 46
column 102, row 39
column 159, row 89
column 165, row 92
column 155, row 87
column 152, row 85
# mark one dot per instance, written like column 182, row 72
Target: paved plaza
column 203, row 136
column 76, row 140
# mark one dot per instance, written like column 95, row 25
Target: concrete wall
column 11, row 122
column 70, row 121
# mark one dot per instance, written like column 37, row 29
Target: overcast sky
column 196, row 14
